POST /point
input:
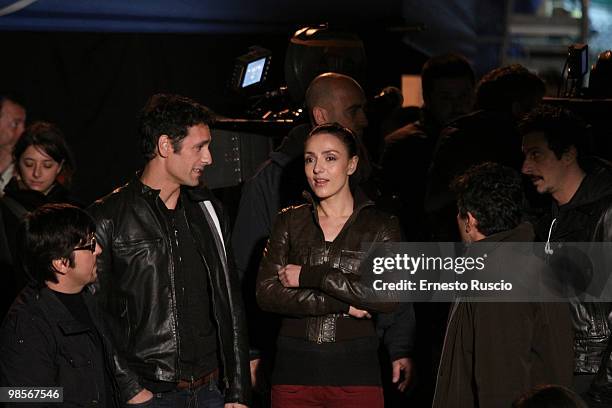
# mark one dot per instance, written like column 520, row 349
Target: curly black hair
column 170, row 115
column 493, row 194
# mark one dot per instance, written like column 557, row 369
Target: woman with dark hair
column 44, row 168
column 309, row 274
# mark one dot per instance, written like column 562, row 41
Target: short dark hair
column 500, row 88
column 170, row 115
column 549, row 396
column 445, row 66
column 50, row 139
column 51, row 232
column 561, row 128
column 10, row 96
column 493, row 194
column 346, row 136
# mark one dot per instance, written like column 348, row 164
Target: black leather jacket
column 587, row 217
column 137, row 288
column 329, row 278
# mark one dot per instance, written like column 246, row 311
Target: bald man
column 280, row 181
column 338, row 98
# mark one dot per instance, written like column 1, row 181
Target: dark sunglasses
column 91, row 246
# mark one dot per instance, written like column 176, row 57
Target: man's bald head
column 333, row 97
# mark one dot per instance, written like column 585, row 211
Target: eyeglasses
column 91, row 246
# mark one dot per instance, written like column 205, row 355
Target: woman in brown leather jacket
column 327, row 345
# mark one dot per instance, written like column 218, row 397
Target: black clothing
column 14, row 205
column 198, row 353
column 342, row 363
column 326, row 288
column 44, row 344
column 137, row 282
column 316, row 333
column 494, row 352
column 587, row 217
column 75, row 303
column 472, row 139
column 277, row 184
column 405, row 162
column 28, row 200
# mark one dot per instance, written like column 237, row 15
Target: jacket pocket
column 350, row 261
column 136, row 243
column 76, row 374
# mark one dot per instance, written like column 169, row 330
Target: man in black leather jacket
column 555, row 145
column 166, row 279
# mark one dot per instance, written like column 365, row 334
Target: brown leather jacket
column 330, row 277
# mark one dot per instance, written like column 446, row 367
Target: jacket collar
column 596, row 184
column 521, row 233
column 58, row 314
column 360, row 201
column 199, row 193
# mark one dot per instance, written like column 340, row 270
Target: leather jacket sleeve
column 348, row 287
column 272, row 296
column 128, row 381
column 601, row 388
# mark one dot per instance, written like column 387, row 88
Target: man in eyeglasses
column 53, row 334
column 166, row 278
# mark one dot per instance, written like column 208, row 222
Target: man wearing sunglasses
column 53, row 334
column 166, row 276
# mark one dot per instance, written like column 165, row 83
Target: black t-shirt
column 197, row 333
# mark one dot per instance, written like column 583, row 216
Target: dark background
column 92, row 84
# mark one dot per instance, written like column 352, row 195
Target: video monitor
column 254, row 72
column 250, row 70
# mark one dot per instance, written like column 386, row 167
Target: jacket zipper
column 173, row 287
column 328, row 251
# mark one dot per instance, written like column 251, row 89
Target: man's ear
column 164, row 146
column 320, row 115
column 353, row 162
column 61, row 265
column 471, row 223
column 570, row 155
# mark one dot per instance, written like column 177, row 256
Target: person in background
column 12, row 125
column 43, row 169
column 448, row 93
column 490, row 133
column 559, row 163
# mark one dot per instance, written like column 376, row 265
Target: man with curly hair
column 493, row 352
